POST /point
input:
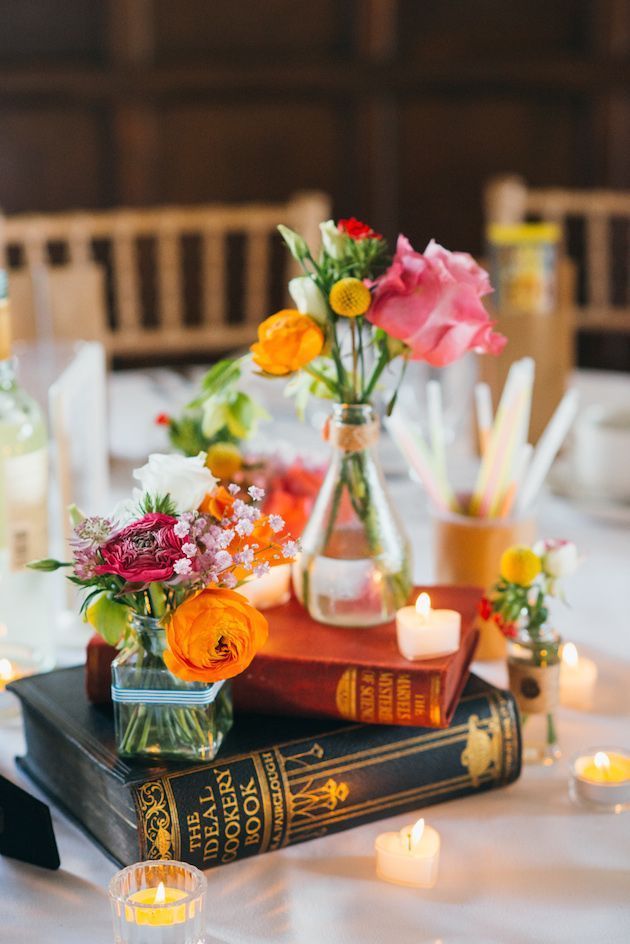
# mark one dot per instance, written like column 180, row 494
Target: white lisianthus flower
column 334, row 240
column 308, row 298
column 186, row 479
column 559, row 558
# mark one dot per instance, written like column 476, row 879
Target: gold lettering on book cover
column 482, row 753
column 313, row 798
column 156, row 818
column 346, row 695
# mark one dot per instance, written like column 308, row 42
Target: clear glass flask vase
column 355, row 563
column 157, row 714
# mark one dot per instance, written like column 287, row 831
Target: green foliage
column 157, row 504
column 304, row 385
column 108, row 617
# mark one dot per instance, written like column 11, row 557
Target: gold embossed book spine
column 276, row 781
column 306, row 789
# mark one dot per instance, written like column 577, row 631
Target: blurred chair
column 597, row 224
column 130, row 278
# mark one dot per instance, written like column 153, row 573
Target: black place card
column 26, row 829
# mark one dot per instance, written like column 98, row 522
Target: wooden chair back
column 126, row 277
column 596, row 228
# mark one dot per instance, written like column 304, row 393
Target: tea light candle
column 272, row 589
column 577, row 679
column 424, row 633
column 409, row 857
column 601, row 779
column 161, row 901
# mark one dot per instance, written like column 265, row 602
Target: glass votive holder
column 599, row 779
column 159, row 902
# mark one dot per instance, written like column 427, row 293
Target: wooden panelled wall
column 400, row 109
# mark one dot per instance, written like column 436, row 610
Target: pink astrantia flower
column 144, row 551
column 432, row 302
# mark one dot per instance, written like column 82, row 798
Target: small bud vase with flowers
column 518, row 604
column 161, row 578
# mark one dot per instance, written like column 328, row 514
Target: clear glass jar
column 355, row 565
column 534, row 670
column 157, row 714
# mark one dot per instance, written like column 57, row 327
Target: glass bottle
column 355, row 564
column 26, row 638
column 534, row 671
column 157, row 714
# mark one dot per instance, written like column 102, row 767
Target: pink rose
column 432, row 302
column 144, row 551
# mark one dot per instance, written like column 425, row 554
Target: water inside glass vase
column 355, row 565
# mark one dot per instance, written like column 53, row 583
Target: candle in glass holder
column 160, row 901
column 272, row 589
column 409, row 857
column 600, row 779
column 424, row 633
column 577, row 679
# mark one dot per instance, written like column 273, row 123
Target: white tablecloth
column 518, row 865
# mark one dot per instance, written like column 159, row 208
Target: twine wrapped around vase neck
column 354, row 438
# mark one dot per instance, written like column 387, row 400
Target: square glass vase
column 156, row 714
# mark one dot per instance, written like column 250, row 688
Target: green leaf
column 109, row 618
column 215, row 416
column 221, row 375
column 48, row 565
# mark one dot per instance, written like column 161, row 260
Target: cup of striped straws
column 471, row 530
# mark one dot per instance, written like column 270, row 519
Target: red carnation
column 357, row 230
column 162, row 419
column 144, row 551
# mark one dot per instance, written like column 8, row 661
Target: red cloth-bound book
column 309, row 669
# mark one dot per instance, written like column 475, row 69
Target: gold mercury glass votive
column 160, row 902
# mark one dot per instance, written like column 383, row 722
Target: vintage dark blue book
column 277, row 781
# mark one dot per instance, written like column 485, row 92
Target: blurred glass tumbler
column 159, row 902
column 467, row 551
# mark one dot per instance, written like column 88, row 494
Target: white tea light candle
column 600, row 779
column 160, row 901
column 409, row 857
column 424, row 633
column 272, row 589
column 578, row 676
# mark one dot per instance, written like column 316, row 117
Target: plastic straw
column 495, row 456
column 517, row 432
column 547, row 448
column 520, row 471
column 483, row 408
column 417, row 454
column 436, row 433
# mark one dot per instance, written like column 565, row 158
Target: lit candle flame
column 423, row 606
column 160, row 895
column 570, row 655
column 415, row 837
column 602, row 762
column 6, row 670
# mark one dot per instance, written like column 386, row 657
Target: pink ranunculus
column 432, row 302
column 144, row 551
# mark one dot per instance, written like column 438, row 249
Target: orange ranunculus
column 213, row 635
column 286, row 342
column 217, row 503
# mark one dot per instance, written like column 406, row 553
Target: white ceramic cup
column 601, row 451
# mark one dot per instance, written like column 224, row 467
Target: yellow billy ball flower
column 520, row 565
column 224, row 459
column 349, row 297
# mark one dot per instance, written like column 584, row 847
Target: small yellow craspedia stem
column 349, row 298
column 520, row 565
